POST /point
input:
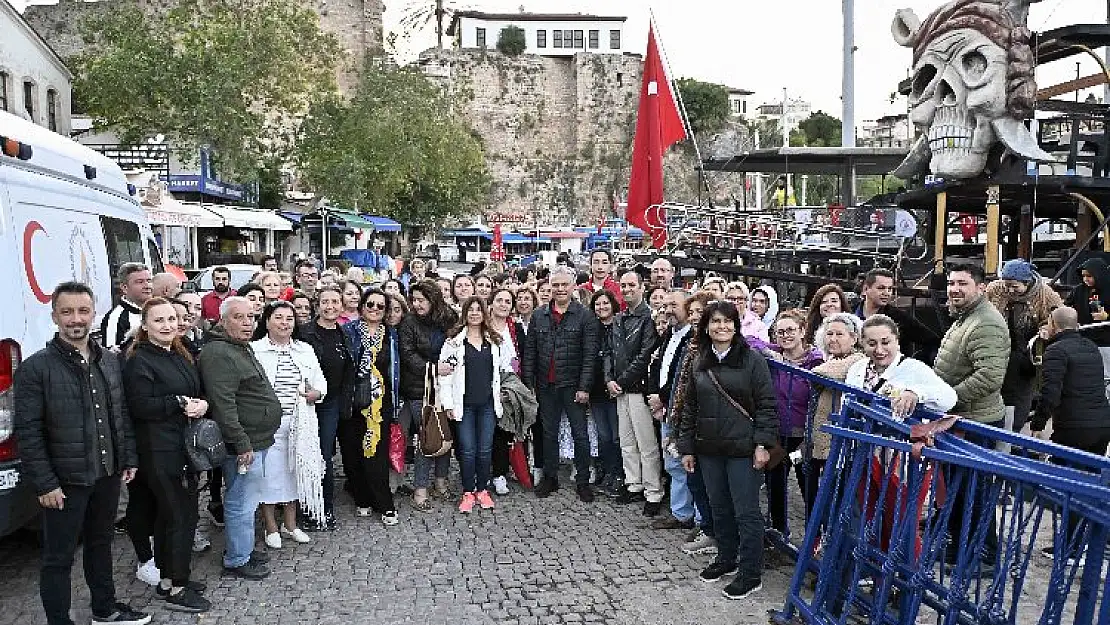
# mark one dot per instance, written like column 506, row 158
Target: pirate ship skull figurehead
column 972, row 87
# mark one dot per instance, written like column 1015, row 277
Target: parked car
column 240, row 275
column 66, row 213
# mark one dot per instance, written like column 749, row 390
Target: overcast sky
column 767, row 46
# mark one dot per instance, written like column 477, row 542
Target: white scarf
column 306, row 459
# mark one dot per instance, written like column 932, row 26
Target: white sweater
column 908, row 375
column 453, row 387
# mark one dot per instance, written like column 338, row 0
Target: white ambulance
column 66, row 213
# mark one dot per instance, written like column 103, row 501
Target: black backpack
column 204, row 445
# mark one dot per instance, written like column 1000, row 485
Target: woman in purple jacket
column 792, row 399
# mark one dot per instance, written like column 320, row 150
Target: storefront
column 245, row 232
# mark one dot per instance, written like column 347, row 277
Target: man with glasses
column 306, row 277
column 878, row 293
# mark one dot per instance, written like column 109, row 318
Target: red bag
column 519, row 463
column 396, row 448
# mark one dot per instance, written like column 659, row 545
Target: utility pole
column 848, row 95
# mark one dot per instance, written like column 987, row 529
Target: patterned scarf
column 367, row 367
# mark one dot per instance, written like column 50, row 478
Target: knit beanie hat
column 1018, row 269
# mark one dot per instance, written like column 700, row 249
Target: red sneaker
column 467, row 503
column 484, row 500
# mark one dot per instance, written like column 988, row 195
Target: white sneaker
column 273, row 541
column 200, row 541
column 537, row 475
column 148, row 573
column 390, row 518
column 297, row 535
column 501, row 485
column 363, row 511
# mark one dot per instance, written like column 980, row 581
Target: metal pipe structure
column 848, row 83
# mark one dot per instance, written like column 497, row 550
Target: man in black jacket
column 76, row 446
column 1073, row 394
column 558, row 365
column 878, row 292
column 634, row 339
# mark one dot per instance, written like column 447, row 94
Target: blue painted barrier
column 915, row 523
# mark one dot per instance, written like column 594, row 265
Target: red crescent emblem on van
column 28, row 234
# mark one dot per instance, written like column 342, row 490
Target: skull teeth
column 951, row 130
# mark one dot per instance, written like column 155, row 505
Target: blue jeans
column 682, row 501
column 733, row 487
column 554, row 402
column 327, row 416
column 703, row 515
column 608, row 436
column 476, row 446
column 240, row 505
column 422, row 465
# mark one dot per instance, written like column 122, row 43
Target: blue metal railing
column 912, row 522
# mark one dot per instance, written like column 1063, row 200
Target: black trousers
column 142, row 509
column 981, row 511
column 89, row 511
column 537, row 444
column 502, row 444
column 1091, row 440
column 368, row 478
column 776, row 480
column 175, row 493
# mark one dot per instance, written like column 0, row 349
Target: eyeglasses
column 786, row 332
column 374, row 306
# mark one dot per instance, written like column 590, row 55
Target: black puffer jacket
column 154, row 378
column 634, row 339
column 1082, row 297
column 572, row 343
column 57, row 441
column 603, row 364
column 1072, row 394
column 419, row 342
column 710, row 425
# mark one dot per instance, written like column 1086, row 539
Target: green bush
column 511, row 41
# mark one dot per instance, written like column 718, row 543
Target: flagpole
column 681, row 106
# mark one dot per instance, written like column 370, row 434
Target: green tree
column 511, row 41
column 817, row 130
column 706, row 105
column 395, row 148
column 235, row 75
column 271, row 186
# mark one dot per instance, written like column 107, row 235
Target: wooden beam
column 1071, row 86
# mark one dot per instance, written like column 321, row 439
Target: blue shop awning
column 382, row 224
column 512, row 238
column 468, row 233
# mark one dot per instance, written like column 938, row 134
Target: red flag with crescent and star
column 658, row 127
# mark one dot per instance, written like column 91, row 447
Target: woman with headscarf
column 1025, row 300
column 295, row 467
column 765, row 304
column 364, row 436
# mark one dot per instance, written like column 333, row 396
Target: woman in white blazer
column 471, row 395
column 294, row 465
column 906, row 381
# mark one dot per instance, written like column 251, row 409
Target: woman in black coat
column 728, row 423
column 163, row 393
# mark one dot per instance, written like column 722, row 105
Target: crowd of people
column 659, row 391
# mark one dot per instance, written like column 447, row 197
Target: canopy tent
column 172, row 212
column 249, row 218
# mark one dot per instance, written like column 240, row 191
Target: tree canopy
column 706, row 104
column 511, row 41
column 395, row 148
column 818, row 130
column 234, row 75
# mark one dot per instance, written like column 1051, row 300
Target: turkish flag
column 658, row 127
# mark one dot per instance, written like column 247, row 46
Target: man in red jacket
column 221, row 285
column 601, row 275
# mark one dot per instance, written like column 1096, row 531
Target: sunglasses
column 374, row 306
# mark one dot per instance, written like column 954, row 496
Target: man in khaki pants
column 634, row 338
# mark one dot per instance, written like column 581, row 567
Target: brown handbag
column 435, row 432
column 776, row 451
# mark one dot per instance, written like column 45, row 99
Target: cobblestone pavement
column 527, row 562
